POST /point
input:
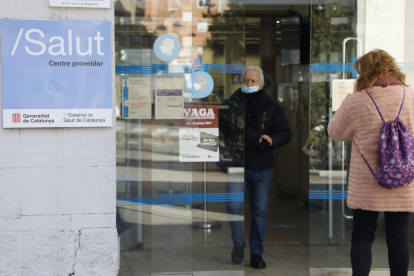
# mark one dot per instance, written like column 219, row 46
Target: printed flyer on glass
column 199, row 134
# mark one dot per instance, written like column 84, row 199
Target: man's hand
column 267, row 138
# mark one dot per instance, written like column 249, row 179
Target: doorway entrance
column 171, row 207
column 173, row 214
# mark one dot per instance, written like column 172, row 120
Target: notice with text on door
column 136, row 95
column 169, row 99
column 341, row 89
column 56, row 73
column 199, row 134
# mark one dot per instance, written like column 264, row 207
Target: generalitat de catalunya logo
column 16, row 117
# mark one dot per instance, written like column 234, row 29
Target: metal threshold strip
column 202, row 273
column 348, row 272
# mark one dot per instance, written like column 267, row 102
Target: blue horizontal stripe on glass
column 326, row 192
column 179, row 199
column 178, row 69
column 330, row 67
column 132, row 203
column 192, row 195
column 315, row 194
column 347, row 67
column 182, row 199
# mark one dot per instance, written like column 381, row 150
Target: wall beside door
column 57, row 186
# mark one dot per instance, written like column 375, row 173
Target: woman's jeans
column 363, row 235
column 258, row 184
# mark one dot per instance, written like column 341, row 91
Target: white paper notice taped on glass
column 136, row 93
column 169, row 100
column 341, row 89
column 105, row 4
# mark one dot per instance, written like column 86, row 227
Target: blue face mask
column 251, row 89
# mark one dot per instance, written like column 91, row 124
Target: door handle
column 343, row 143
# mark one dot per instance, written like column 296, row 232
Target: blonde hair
column 375, row 65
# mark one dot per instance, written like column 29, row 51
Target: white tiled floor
column 184, row 249
column 280, row 260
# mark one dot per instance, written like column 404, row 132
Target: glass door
column 177, row 61
column 342, row 31
column 179, row 193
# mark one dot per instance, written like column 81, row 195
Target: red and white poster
column 199, row 134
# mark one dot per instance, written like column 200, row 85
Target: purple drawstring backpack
column 395, row 153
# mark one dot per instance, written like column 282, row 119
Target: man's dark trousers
column 258, row 184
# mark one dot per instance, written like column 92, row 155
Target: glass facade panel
column 178, row 215
column 342, row 31
column 174, row 213
column 330, row 218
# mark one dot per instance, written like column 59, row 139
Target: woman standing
column 380, row 85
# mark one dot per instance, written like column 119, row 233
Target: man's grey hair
column 255, row 68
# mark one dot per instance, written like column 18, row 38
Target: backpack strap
column 366, row 162
column 399, row 112
column 376, row 106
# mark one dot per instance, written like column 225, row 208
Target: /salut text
column 58, row 45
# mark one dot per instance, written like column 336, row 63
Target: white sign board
column 54, row 76
column 341, row 89
column 106, row 4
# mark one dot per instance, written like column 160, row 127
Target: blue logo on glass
column 167, row 47
column 203, row 84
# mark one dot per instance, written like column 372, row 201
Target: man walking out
column 265, row 128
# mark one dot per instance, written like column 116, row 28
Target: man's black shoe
column 257, row 262
column 237, row 255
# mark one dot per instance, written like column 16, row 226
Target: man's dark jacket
column 241, row 135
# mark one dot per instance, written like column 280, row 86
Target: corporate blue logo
column 202, row 84
column 56, row 64
column 167, row 47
